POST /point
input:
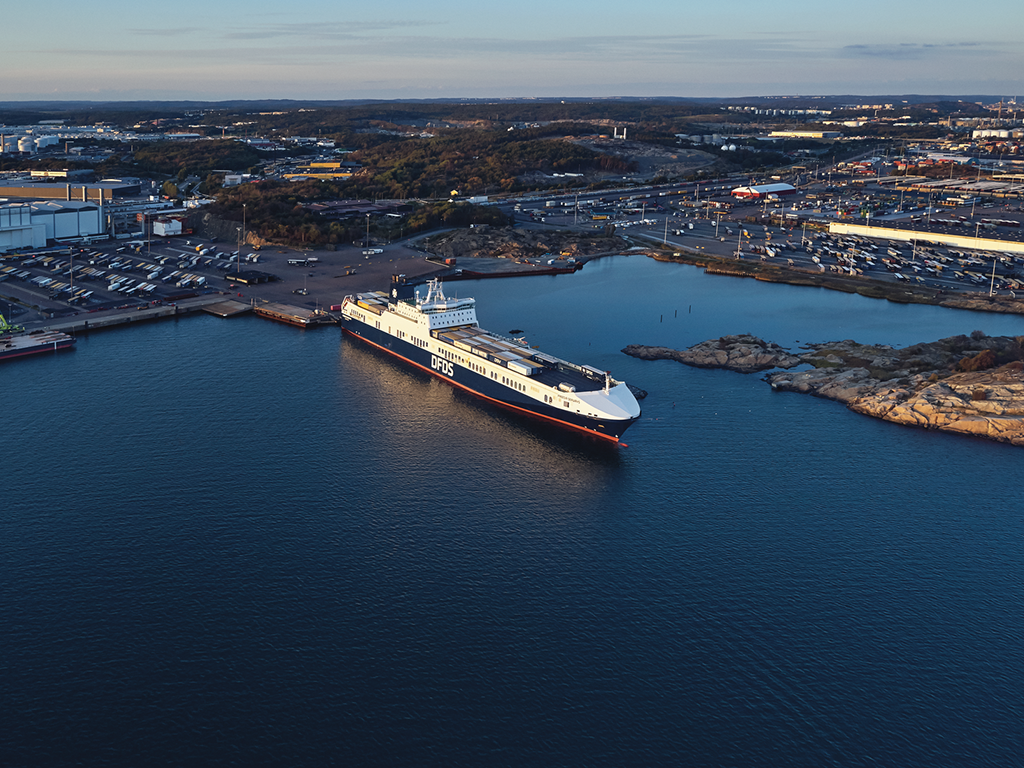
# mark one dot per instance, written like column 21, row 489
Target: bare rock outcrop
column 967, row 385
column 743, row 353
column 986, row 404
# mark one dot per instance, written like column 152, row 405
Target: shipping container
column 524, row 367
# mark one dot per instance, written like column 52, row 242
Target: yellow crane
column 6, row 327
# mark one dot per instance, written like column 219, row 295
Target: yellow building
column 322, row 170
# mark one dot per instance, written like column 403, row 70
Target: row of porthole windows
column 451, row 356
column 512, row 383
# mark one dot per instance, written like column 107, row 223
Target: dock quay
column 228, row 308
column 88, row 321
column 484, row 267
column 297, row 316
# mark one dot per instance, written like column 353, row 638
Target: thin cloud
column 601, row 49
column 903, row 51
column 320, row 30
column 165, row 32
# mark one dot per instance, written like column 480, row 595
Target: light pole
column 242, row 239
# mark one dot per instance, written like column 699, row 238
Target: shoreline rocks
column 965, row 385
column 742, row 353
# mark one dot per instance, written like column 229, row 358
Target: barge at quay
column 440, row 335
column 35, row 343
column 297, row 316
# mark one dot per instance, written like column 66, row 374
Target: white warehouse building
column 34, row 225
column 17, row 230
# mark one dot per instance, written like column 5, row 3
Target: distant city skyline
column 319, row 50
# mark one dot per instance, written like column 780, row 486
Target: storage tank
column 26, row 144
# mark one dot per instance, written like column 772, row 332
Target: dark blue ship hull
column 479, row 385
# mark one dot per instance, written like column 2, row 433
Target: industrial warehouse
column 762, row 191
column 26, row 225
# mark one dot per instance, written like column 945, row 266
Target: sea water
column 231, row 542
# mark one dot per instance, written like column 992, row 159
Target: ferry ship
column 441, row 336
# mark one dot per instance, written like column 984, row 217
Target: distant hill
column 791, row 102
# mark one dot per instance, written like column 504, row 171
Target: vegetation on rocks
column 510, row 243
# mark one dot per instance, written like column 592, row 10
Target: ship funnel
column 401, row 289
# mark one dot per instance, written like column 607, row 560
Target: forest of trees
column 276, row 211
column 472, row 161
column 186, row 158
column 343, row 123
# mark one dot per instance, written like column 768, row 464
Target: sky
column 315, row 49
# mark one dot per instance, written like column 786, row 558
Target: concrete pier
column 88, row 321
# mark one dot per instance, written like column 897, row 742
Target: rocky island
column 743, row 353
column 972, row 385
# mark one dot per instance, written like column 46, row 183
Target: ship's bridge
column 441, row 311
column 446, row 305
column 454, row 313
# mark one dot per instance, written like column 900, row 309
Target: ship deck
column 30, row 343
column 287, row 313
column 548, row 370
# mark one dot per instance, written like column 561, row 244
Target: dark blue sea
column 232, row 542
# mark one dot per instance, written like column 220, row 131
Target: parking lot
column 63, row 281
